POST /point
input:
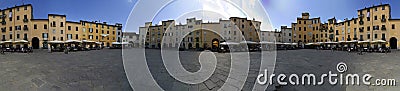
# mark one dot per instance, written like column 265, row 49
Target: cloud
column 130, row 1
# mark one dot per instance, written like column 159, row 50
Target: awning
column 21, row 41
column 248, row 42
column 73, row 41
column 87, row 41
column 56, row 42
column 99, row 43
column 266, row 42
column 366, row 41
column 229, row 43
column 116, row 43
column 330, row 42
column 379, row 41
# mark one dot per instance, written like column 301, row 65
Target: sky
column 280, row 12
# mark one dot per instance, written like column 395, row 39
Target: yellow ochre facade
column 18, row 23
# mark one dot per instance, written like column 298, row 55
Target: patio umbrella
column 21, row 41
column 365, row 41
column 9, row 41
column 116, row 43
column 98, row 43
column 248, row 42
column 287, row 43
column 279, row 43
column 88, row 41
column 56, row 42
column 73, row 41
column 330, row 42
column 379, row 41
column 266, row 42
column 229, row 43
column 310, row 44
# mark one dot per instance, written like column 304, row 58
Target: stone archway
column 393, row 43
column 35, row 43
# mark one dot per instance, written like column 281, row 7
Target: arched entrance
column 35, row 43
column 393, row 43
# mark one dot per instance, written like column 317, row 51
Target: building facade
column 308, row 30
column 372, row 24
column 198, row 34
column 18, row 23
column 132, row 38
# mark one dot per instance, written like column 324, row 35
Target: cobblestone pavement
column 288, row 62
column 102, row 70
column 96, row 70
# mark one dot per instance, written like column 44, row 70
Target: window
column 299, row 22
column 383, row 7
column 368, row 28
column 54, row 31
column 299, row 28
column 90, row 30
column 17, row 36
column 299, row 35
column 376, row 36
column 108, row 32
column 45, row 26
column 305, row 28
column 62, row 38
column 305, row 22
column 18, row 9
column 25, row 8
column 25, row 36
column 25, row 17
column 17, row 17
column 393, row 26
column 368, row 36
column 62, row 31
column 97, row 31
column 375, row 17
column 44, row 35
column 69, row 36
column 11, row 36
column 69, row 27
column 34, row 26
column 54, row 38
column 76, row 36
column 62, row 24
column 383, row 36
column 54, row 24
column 10, row 28
column 90, row 36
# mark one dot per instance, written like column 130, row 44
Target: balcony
column 25, row 20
